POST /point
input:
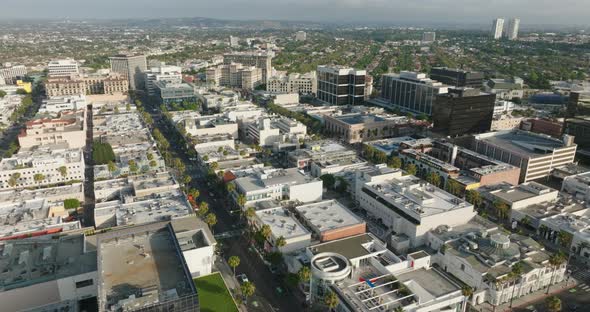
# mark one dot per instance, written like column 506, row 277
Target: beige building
column 356, row 128
column 92, row 84
column 294, row 83
column 69, row 129
column 262, row 60
column 234, row 75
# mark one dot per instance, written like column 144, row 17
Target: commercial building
column 234, row 42
column 506, row 122
column 552, row 127
column 65, row 86
column 57, row 104
column 68, row 129
column 62, row 68
column 497, row 28
column 339, row 85
column 235, row 75
column 278, row 184
column 409, row 92
column 535, row 154
column 356, row 128
column 428, row 37
column 457, row 77
column 86, row 85
column 174, row 93
column 283, row 225
column 580, row 128
column 41, row 166
column 505, row 89
column 269, row 131
column 463, row 111
column 513, row 26
column 578, row 185
column 330, row 151
column 394, row 146
column 293, row 83
column 209, row 125
column 519, row 196
column 300, row 36
column 366, row 277
column 11, row 73
column 409, row 207
column 330, row 220
column 168, row 73
column 262, row 60
column 131, row 67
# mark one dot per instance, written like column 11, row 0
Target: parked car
column 242, row 278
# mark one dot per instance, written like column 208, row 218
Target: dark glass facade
column 457, row 77
column 457, row 114
column 340, row 89
column 407, row 95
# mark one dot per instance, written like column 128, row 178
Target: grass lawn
column 213, row 295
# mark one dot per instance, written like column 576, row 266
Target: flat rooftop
column 30, row 261
column 522, row 142
column 355, row 119
column 156, row 207
column 328, row 215
column 140, row 266
column 431, row 281
column 415, row 196
column 282, row 223
column 511, row 194
column 350, row 247
column 265, row 177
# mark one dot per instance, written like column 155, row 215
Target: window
column 84, row 283
column 462, row 267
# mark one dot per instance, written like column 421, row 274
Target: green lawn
column 213, row 295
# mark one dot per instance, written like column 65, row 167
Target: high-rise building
column 234, row 41
column 429, row 36
column 341, row 85
column 462, row 111
column 300, row 36
column 262, row 60
column 497, row 28
column 457, row 77
column 132, row 67
column 234, row 75
column 168, row 73
column 11, row 73
column 62, row 68
column 512, row 30
column 409, row 92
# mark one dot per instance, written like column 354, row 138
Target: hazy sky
column 455, row 11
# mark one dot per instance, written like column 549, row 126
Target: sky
column 566, row 12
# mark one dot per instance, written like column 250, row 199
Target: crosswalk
column 582, row 276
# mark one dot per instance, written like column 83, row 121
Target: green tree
column 434, row 179
column 394, row 162
column 281, row 242
column 553, row 304
column 2, row 94
column 331, row 300
column 241, row 200
column 411, row 169
column 473, row 197
column 250, row 213
column 555, row 261
column 153, row 163
column 211, row 220
column 150, row 156
column 454, row 187
column 248, row 290
column 133, row 168
column 203, row 209
column 63, row 170
column 102, row 153
column 328, row 180
column 194, row 193
column 233, row 262
column 304, row 274
column 71, row 203
column 515, row 274
column 186, row 179
column 111, row 166
column 230, row 187
column 128, row 107
column 13, row 179
column 38, row 177
column 502, row 209
column 565, row 239
column 265, row 231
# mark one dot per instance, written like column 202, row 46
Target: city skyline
column 572, row 12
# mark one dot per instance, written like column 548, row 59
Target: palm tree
column 394, row 162
column 331, row 300
column 250, row 213
column 265, row 231
column 233, row 262
column 454, row 187
column 434, row 179
column 211, row 220
column 473, row 197
column 398, row 309
column 565, row 238
column 63, row 170
column 241, row 200
column 556, row 260
column 501, row 209
column 411, row 169
column 248, row 290
column 230, row 187
column 516, row 274
column 553, row 304
column 304, row 274
column 280, row 242
column 194, row 193
column 111, row 166
column 203, row 208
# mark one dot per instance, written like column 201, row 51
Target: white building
column 278, row 184
column 62, row 68
column 209, row 125
column 512, row 31
column 168, row 73
column 41, row 166
column 283, row 225
column 57, row 104
column 409, row 206
column 497, row 27
column 428, row 37
column 11, row 73
column 577, row 185
column 293, row 83
column 267, row 131
column 300, row 36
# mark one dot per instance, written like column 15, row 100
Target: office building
column 578, row 103
column 512, row 30
column 283, row 224
column 174, row 93
column 578, row 185
column 497, row 28
column 428, row 37
column 356, row 128
column 167, row 73
column 457, row 77
column 262, row 60
column 264, row 184
column 203, row 126
column 324, row 151
column 341, row 85
column 131, row 67
column 235, row 76
column 67, row 129
column 535, row 154
column 463, row 111
column 294, row 83
column 505, row 89
column 86, row 85
column 57, row 104
column 409, row 206
column 330, row 220
column 410, row 92
column 580, row 128
column 366, row 276
column 11, row 73
column 552, row 127
column 62, row 68
column 267, row 132
column 234, row 42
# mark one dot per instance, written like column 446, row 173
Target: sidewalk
column 528, row 299
column 230, row 281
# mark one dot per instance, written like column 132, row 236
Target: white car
column 242, row 278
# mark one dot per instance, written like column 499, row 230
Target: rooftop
column 511, row 194
column 328, row 215
column 350, row 247
column 282, row 223
column 523, row 142
column 262, row 178
column 41, row 156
